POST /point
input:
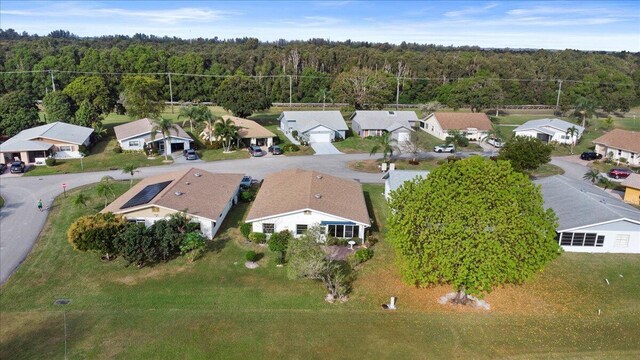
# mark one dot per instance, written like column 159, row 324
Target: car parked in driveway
column 275, row 150
column 17, row 167
column 495, row 142
column 246, row 182
column 444, row 148
column 619, row 173
column 256, row 151
column 590, row 155
column 190, row 154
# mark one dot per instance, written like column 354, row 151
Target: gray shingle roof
column 307, row 120
column 579, row 203
column 375, row 120
column 549, row 126
column 59, row 131
column 398, row 177
column 143, row 127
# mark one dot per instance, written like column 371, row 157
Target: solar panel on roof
column 145, row 195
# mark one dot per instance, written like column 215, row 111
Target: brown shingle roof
column 621, row 139
column 205, row 195
column 249, row 129
column 462, row 121
column 296, row 189
column 632, row 181
column 143, row 126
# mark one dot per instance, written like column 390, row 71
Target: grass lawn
column 215, row 307
column 373, row 165
column 545, row 170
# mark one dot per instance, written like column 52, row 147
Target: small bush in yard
column 193, row 245
column 258, row 238
column 371, row 240
column 363, row 255
column 245, row 229
column 290, row 147
column 251, row 256
column 50, row 161
column 117, row 149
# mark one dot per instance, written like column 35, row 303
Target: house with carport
column 590, row 219
column 296, row 200
column 204, row 196
column 136, row 135
column 475, row 126
column 58, row 139
column 550, row 130
column 377, row 122
column 314, row 126
column 252, row 133
column 620, row 144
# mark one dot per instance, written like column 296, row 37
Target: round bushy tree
column 525, row 153
column 474, row 224
column 96, row 233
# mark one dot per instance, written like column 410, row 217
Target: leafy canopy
column 142, row 96
column 525, row 153
column 474, row 224
column 17, row 112
column 242, row 96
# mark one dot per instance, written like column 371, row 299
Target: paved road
column 573, row 167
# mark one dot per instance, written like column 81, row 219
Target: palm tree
column 606, row 183
column 130, row 169
column 586, row 108
column 99, row 130
column 494, row 133
column 190, row 113
column 386, row 144
column 164, row 126
column 80, row 199
column 572, row 132
column 592, row 175
column 204, row 114
column 104, row 188
column 226, row 131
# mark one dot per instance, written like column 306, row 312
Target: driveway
column 572, row 165
column 324, row 148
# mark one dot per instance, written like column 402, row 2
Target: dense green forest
column 321, row 69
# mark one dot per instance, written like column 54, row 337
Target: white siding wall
column 632, row 158
column 355, row 126
column 289, row 222
column 220, row 219
column 127, row 144
column 613, row 242
column 433, row 127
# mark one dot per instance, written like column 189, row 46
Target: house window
column 619, row 152
column 134, row 143
column 268, row 228
column 300, row 229
column 600, row 241
column 65, row 148
column 342, row 231
column 581, row 239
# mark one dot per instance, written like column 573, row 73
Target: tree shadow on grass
column 374, row 223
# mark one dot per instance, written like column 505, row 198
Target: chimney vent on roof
column 197, row 174
column 178, row 193
column 318, row 196
column 188, row 183
column 318, row 177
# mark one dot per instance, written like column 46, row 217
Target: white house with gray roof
column 393, row 179
column 57, row 139
column 590, row 219
column 314, row 126
column 549, row 130
column 375, row 123
column 136, row 135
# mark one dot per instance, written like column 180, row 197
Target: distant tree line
column 322, row 70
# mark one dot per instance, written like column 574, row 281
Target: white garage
column 403, row 136
column 319, row 137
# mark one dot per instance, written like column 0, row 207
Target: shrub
column 50, row 161
column 192, row 246
column 247, row 195
column 258, row 238
column 463, row 142
column 441, row 162
column 251, row 256
column 337, row 241
column 290, row 147
column 96, row 233
column 117, row 149
column 294, row 133
column 245, row 229
column 372, row 240
column 84, row 151
column 622, row 160
column 363, row 255
column 278, row 242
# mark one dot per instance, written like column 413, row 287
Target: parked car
column 619, row 173
column 275, row 150
column 3, row 166
column 190, row 154
column 444, row 148
column 255, row 150
column 17, row 167
column 495, row 142
column 590, row 155
column 246, row 182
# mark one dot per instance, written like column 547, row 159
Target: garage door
column 319, row 137
column 403, row 137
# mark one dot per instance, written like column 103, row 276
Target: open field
column 217, row 307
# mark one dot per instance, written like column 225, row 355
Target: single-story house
column 57, row 139
column 475, row 126
column 252, row 133
column 590, row 219
column 136, row 135
column 375, row 123
column 314, row 126
column 632, row 189
column 296, row 200
column 393, row 179
column 622, row 144
column 549, row 130
column 206, row 197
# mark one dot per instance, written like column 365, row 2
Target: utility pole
column 290, row 89
column 324, row 101
column 559, row 91
column 170, row 92
column 397, row 92
column 53, row 84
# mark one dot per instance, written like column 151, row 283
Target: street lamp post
column 64, row 302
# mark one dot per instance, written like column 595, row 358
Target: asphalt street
column 21, row 221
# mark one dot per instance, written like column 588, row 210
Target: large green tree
column 242, row 96
column 18, row 112
column 475, row 224
column 58, row 106
column 142, row 96
column 363, row 88
column 92, row 89
column 525, row 153
column 96, row 232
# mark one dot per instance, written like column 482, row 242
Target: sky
column 583, row 25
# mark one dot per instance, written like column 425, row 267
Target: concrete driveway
column 324, row 148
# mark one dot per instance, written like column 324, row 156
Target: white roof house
column 136, row 135
column 548, row 130
column 58, row 138
column 314, row 126
column 393, row 179
column 590, row 219
column 375, row 123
